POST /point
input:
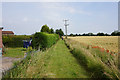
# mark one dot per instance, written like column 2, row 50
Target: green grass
column 15, row 52
column 55, row 62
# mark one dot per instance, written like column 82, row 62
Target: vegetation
column 14, row 40
column 60, row 32
column 51, row 31
column 45, row 28
column 107, row 42
column 100, row 34
column 115, row 33
column 92, row 57
column 55, row 62
column 99, row 64
column 16, row 52
column 43, row 40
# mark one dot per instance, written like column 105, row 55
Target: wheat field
column 106, row 42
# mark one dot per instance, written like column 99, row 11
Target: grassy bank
column 55, row 62
column 97, row 63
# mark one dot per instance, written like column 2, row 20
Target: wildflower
column 107, row 51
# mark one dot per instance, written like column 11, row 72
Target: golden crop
column 106, row 42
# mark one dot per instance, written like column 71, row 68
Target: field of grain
column 106, row 42
column 92, row 51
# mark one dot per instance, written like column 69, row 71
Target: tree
column 115, row 33
column 107, row 34
column 60, row 32
column 84, row 34
column 71, row 34
column 90, row 34
column 45, row 28
column 100, row 34
column 51, row 30
column 76, row 34
column 118, row 34
column 79, row 34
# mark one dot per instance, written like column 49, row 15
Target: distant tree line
column 115, row 33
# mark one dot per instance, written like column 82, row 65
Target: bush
column 14, row 40
column 44, row 40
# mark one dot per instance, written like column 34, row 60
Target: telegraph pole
column 66, row 26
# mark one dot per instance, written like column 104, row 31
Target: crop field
column 105, row 47
column 107, row 42
column 96, row 50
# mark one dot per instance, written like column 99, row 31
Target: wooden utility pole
column 66, row 27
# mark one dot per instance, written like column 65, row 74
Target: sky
column 26, row 18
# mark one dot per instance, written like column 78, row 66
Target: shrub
column 14, row 40
column 44, row 40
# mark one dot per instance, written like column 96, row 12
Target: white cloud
column 25, row 19
column 58, row 8
column 74, row 11
column 71, row 10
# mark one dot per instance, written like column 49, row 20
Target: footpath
column 60, row 63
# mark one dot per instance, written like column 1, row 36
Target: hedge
column 14, row 40
column 43, row 40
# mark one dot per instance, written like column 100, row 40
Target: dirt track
column 7, row 63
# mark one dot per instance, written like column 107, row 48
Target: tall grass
column 92, row 63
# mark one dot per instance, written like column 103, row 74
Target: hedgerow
column 14, row 40
column 43, row 40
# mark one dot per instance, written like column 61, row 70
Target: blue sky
column 28, row 17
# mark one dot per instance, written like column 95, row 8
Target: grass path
column 56, row 62
column 60, row 63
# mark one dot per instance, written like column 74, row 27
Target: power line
column 66, row 26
